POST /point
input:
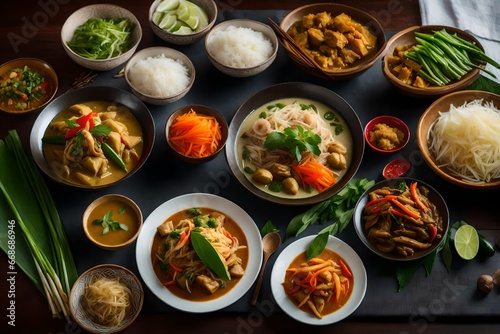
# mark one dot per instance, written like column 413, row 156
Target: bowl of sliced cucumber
column 182, row 22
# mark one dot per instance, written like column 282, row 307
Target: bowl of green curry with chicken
column 93, row 137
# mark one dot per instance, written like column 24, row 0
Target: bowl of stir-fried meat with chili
column 401, row 219
column 344, row 41
column 26, row 85
column 92, row 137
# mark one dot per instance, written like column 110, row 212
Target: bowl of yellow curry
column 92, row 137
column 112, row 221
column 344, row 41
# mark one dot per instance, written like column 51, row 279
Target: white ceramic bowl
column 101, row 11
column 210, row 8
column 243, row 71
column 168, row 53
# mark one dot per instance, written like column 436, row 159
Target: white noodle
column 466, row 140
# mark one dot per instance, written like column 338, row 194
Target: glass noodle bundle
column 466, row 140
column 107, row 300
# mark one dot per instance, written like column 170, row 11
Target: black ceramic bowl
column 94, row 93
column 292, row 91
column 433, row 196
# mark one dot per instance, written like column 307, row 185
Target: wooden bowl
column 360, row 16
column 78, row 310
column 406, row 37
column 431, row 114
column 36, row 65
column 123, row 210
column 393, row 122
column 204, row 110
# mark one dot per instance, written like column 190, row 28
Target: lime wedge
column 467, row 242
column 184, row 30
column 197, row 11
column 193, row 22
column 167, row 5
column 157, row 16
column 168, row 22
column 182, row 11
column 177, row 25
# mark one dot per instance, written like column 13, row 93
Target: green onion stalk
column 40, row 225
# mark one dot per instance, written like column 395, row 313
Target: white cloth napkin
column 480, row 18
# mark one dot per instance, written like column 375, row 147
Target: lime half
column 467, row 242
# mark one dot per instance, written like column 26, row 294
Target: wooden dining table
column 441, row 302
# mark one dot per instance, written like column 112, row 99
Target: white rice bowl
column 159, row 76
column 239, row 47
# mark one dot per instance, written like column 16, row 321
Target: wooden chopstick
column 298, row 50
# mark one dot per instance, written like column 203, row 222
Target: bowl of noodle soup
column 106, row 298
column 301, row 110
column 457, row 135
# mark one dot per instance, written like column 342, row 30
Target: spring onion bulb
column 466, row 140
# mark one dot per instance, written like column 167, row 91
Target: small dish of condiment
column 112, row 221
column 387, row 134
column 396, row 168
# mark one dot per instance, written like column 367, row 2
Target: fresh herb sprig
column 338, row 210
column 296, row 139
column 109, row 224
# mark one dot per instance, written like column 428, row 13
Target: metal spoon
column 270, row 242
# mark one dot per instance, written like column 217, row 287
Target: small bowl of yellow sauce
column 387, row 134
column 112, row 221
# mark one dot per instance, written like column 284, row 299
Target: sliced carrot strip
column 195, row 135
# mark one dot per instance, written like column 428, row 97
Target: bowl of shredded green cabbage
column 101, row 37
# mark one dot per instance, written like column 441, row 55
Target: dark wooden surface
column 43, row 41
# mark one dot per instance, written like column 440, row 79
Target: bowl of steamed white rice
column 241, row 47
column 160, row 75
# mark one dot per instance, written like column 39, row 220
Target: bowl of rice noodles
column 326, row 150
column 106, row 298
column 458, row 138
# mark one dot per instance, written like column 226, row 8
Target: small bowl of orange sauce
column 112, row 221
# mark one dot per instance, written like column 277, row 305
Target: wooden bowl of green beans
column 431, row 61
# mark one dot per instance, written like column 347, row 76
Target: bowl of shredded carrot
column 196, row 133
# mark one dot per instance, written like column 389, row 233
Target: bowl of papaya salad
column 101, row 37
column 26, row 85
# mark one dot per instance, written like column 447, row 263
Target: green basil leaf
column 317, row 245
column 209, row 255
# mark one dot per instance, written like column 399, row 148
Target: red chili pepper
column 175, row 267
column 376, row 201
column 416, row 197
column 397, row 212
column 45, row 86
column 345, row 283
column 293, row 291
column 169, row 283
column 405, row 209
column 345, row 270
column 82, row 123
column 432, row 231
